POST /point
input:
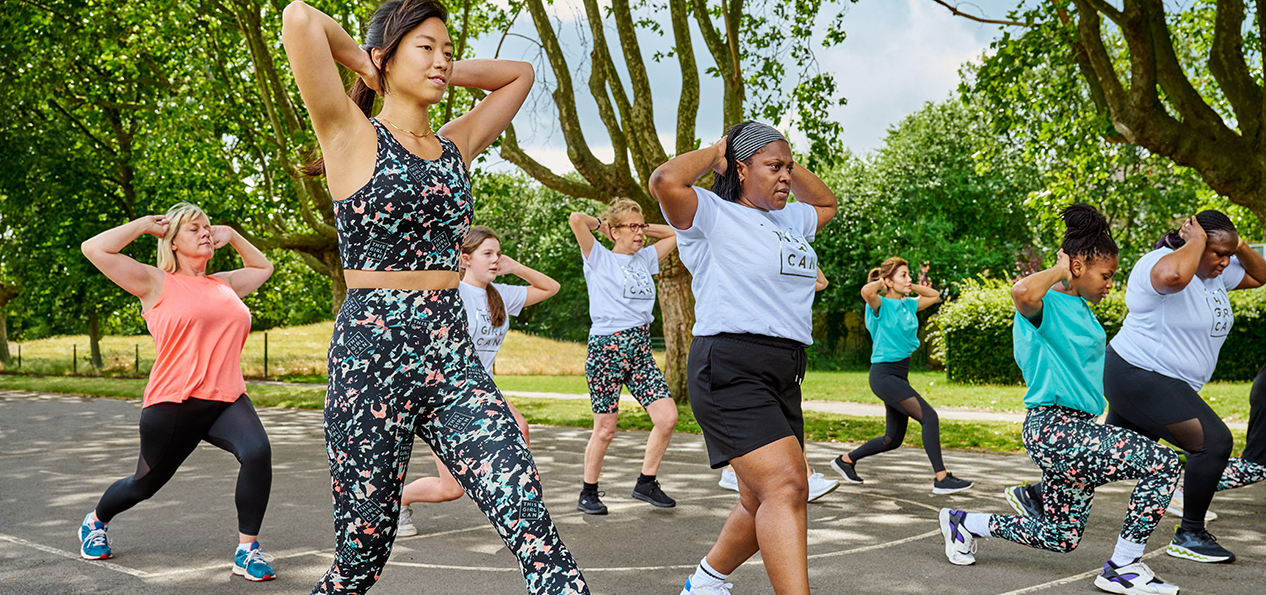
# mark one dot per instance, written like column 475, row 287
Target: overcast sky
column 898, row 55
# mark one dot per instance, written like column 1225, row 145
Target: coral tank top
column 199, row 327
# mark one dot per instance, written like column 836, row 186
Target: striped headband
column 751, row 138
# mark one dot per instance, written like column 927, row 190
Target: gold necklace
column 406, row 131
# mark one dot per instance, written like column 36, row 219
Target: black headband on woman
column 748, row 140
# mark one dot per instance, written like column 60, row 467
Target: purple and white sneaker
column 959, row 542
column 1134, row 578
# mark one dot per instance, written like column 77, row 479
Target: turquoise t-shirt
column 895, row 330
column 1062, row 360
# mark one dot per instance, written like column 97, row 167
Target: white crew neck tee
column 621, row 290
column 1178, row 335
column 488, row 338
column 754, row 271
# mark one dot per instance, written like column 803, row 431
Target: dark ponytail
column 1211, row 220
column 387, row 27
column 1087, row 234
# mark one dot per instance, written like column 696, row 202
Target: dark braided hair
column 387, row 28
column 1211, row 220
column 1087, row 233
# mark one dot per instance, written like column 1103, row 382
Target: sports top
column 412, row 213
column 1180, row 334
column 1062, row 360
column 753, row 270
column 621, row 290
column 895, row 331
column 199, row 327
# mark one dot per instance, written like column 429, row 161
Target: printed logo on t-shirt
column 797, row 257
column 1221, row 308
column 638, row 284
column 487, row 337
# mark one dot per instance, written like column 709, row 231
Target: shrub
column 973, row 333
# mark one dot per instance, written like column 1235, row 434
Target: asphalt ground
column 59, row 453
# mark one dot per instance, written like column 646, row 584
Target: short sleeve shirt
column 621, row 289
column 488, row 338
column 1180, row 334
column 1062, row 360
column 753, row 271
column 894, row 331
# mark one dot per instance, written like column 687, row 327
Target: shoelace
column 97, row 537
column 257, row 556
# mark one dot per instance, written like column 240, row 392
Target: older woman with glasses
column 621, row 297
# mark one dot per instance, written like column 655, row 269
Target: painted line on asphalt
column 1074, row 578
column 141, row 574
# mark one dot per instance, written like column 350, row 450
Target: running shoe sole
column 1009, row 493
column 943, row 491
column 837, row 469
column 648, row 500
column 1178, row 551
column 406, row 530
column 828, row 491
column 239, row 571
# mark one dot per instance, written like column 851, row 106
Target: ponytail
column 496, row 306
column 1210, row 220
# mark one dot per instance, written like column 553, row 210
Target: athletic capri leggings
column 1158, row 406
column 1077, row 455
column 890, row 381
column 402, row 364
column 170, row 432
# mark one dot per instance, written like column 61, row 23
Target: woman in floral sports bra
column 401, row 359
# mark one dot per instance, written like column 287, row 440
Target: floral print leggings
column 402, row 364
column 1076, row 455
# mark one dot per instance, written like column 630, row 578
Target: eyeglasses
column 636, row 227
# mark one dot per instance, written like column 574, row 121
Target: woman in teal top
column 1059, row 346
column 891, row 318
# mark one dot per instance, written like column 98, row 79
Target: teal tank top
column 895, row 330
column 1062, row 360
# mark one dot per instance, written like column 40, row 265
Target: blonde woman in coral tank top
column 195, row 390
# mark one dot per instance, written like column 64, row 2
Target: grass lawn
column 819, row 427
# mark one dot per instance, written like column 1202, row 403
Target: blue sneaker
column 93, row 543
column 252, row 564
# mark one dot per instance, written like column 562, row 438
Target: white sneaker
column 1133, row 579
column 729, row 480
column 722, row 589
column 820, row 486
column 404, row 524
column 1175, row 508
column 960, row 544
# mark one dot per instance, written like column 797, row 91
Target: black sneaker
column 1025, row 500
column 1200, row 546
column 650, row 492
column 950, row 485
column 846, row 470
column 590, row 504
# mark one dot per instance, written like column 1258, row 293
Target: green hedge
column 972, row 334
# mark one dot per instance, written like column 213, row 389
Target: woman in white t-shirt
column 489, row 307
column 621, row 297
column 1179, row 317
column 754, row 271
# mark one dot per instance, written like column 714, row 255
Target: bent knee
column 451, row 490
column 256, row 454
column 1067, row 544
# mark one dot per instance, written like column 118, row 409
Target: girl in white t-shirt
column 489, row 307
column 749, row 251
column 621, row 297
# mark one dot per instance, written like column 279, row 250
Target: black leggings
column 170, row 432
column 1161, row 407
column 890, row 381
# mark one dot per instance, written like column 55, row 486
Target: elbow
column 659, row 178
column 575, row 217
column 1021, row 295
column 552, row 289
column 294, row 15
column 526, row 72
column 268, row 269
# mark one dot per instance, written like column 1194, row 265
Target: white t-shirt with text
column 754, row 271
column 488, row 338
column 621, row 290
column 1178, row 335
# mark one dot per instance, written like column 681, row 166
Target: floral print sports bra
column 411, row 215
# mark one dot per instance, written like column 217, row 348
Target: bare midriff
column 409, row 280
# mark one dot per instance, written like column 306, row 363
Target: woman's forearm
column 489, row 74
column 114, row 240
column 252, row 257
column 536, row 278
column 660, row 231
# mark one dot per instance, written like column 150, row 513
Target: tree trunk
column 94, row 339
column 4, row 337
column 334, row 265
column 677, row 304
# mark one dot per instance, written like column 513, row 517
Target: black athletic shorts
column 890, row 381
column 745, row 392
